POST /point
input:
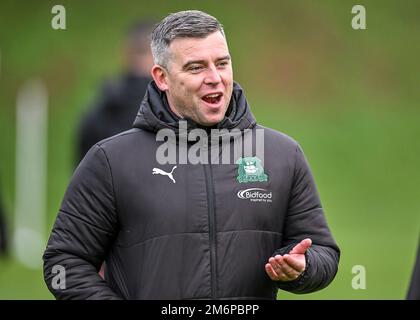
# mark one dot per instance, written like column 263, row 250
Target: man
column 120, row 99
column 240, row 230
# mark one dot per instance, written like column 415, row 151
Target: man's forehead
column 199, row 48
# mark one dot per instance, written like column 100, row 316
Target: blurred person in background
column 119, row 100
column 182, row 231
column 414, row 289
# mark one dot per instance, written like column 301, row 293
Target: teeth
column 213, row 95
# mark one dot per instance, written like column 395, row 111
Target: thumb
column 301, row 247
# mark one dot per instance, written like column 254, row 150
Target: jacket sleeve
column 83, row 232
column 305, row 219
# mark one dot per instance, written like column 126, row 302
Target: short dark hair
column 183, row 24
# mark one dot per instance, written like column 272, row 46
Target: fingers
column 276, row 268
column 279, row 270
column 301, row 247
column 294, row 263
column 271, row 273
column 286, row 269
column 290, row 266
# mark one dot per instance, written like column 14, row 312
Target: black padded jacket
column 202, row 234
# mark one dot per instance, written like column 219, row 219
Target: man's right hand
column 289, row 266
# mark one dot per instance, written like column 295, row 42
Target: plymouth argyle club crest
column 250, row 170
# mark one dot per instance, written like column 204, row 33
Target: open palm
column 289, row 266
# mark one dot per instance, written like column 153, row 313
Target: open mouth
column 213, row 98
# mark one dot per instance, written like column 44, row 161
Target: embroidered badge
column 250, row 170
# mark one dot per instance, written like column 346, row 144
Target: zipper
column 212, row 227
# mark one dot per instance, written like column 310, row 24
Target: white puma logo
column 169, row 174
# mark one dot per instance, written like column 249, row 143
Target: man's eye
column 195, row 68
column 223, row 64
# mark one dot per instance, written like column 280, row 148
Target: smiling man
column 237, row 230
column 197, row 78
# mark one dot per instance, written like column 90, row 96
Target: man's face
column 200, row 78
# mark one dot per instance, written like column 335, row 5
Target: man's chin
column 212, row 120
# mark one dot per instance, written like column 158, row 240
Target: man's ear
column 160, row 75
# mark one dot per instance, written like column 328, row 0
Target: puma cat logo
column 169, row 174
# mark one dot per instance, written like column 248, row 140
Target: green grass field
column 350, row 98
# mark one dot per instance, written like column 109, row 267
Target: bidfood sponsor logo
column 255, row 195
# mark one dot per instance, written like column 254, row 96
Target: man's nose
column 212, row 76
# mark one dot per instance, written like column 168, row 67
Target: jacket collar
column 154, row 113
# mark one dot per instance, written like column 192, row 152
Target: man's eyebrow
column 188, row 63
column 224, row 58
